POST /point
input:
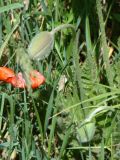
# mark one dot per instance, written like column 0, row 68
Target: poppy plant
column 7, row 75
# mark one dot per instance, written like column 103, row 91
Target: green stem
column 78, row 71
column 104, row 43
column 63, row 26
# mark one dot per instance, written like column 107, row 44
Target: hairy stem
column 63, row 26
column 104, row 43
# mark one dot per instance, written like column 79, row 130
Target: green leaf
column 88, row 37
column 86, row 132
column 11, row 7
column 116, row 16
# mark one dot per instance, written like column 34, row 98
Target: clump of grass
column 80, row 121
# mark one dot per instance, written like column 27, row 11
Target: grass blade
column 11, row 7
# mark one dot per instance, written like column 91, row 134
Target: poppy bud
column 41, row 45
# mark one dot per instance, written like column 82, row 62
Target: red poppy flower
column 8, row 75
column 36, row 79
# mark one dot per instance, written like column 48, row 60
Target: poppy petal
column 18, row 81
column 37, row 79
column 6, row 73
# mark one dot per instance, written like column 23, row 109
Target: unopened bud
column 41, row 45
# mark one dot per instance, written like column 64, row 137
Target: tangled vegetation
column 75, row 115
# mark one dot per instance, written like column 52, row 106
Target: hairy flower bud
column 41, row 45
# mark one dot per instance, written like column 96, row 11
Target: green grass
column 82, row 120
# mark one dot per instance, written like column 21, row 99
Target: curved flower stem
column 63, row 26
